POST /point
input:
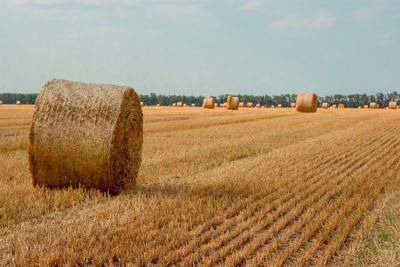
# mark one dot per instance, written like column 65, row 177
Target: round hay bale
column 216, row 105
column 306, row 102
column 249, row 104
column 393, row 105
column 232, row 103
column 359, row 107
column 141, row 104
column 193, row 105
column 272, row 106
column 185, row 105
column 158, row 105
column 279, row 106
column 341, row 106
column 373, row 105
column 88, row 135
column 365, row 106
column 334, row 106
column 18, row 102
column 1, row 102
column 241, row 105
column 209, row 103
column 258, row 106
column 325, row 105
column 179, row 104
column 174, row 104
column 292, row 105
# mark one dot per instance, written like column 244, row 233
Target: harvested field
column 250, row 187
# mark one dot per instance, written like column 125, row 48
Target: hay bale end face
column 209, row 103
column 232, row 103
column 392, row 105
column 373, row 105
column 306, row 102
column 86, row 135
column 325, row 105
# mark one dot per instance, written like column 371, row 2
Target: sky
column 203, row 47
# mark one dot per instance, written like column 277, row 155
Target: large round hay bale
column 292, row 105
column 209, row 102
column 87, row 135
column 232, row 103
column 241, row 105
column 179, row 104
column 18, row 102
column 325, row 105
column 249, row 104
column 306, row 102
column 373, row 105
column 392, row 105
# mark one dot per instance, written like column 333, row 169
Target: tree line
column 352, row 101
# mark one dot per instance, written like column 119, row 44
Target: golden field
column 216, row 187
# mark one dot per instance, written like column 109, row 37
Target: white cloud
column 316, row 22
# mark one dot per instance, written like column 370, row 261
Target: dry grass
column 288, row 202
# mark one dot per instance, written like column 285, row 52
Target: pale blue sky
column 204, row 47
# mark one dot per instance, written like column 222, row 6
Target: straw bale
column 179, row 104
column 185, row 105
column 373, row 105
column 359, row 107
column 1, row 102
column 193, row 105
column 272, row 106
column 279, row 106
column 392, row 105
column 158, row 105
column 306, row 102
column 209, row 102
column 365, row 106
column 232, row 103
column 18, row 102
column 334, row 106
column 88, row 135
column 325, row 105
column 341, row 106
column 174, row 104
column 216, row 105
column 292, row 105
column 141, row 104
column 241, row 105
column 258, row 106
column 249, row 104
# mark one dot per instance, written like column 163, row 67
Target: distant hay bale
column 392, row 105
column 359, row 107
column 179, row 104
column 216, row 105
column 158, row 105
column 341, row 106
column 18, row 102
column 279, row 106
column 373, row 105
column 209, row 102
column 334, row 106
column 325, row 105
column 185, row 105
column 88, row 135
column 258, row 106
column 249, row 104
column 193, row 105
column 293, row 105
column 306, row 102
column 141, row 104
column 1, row 102
column 241, row 105
column 272, row 106
column 365, row 106
column 232, row 103
column 174, row 104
